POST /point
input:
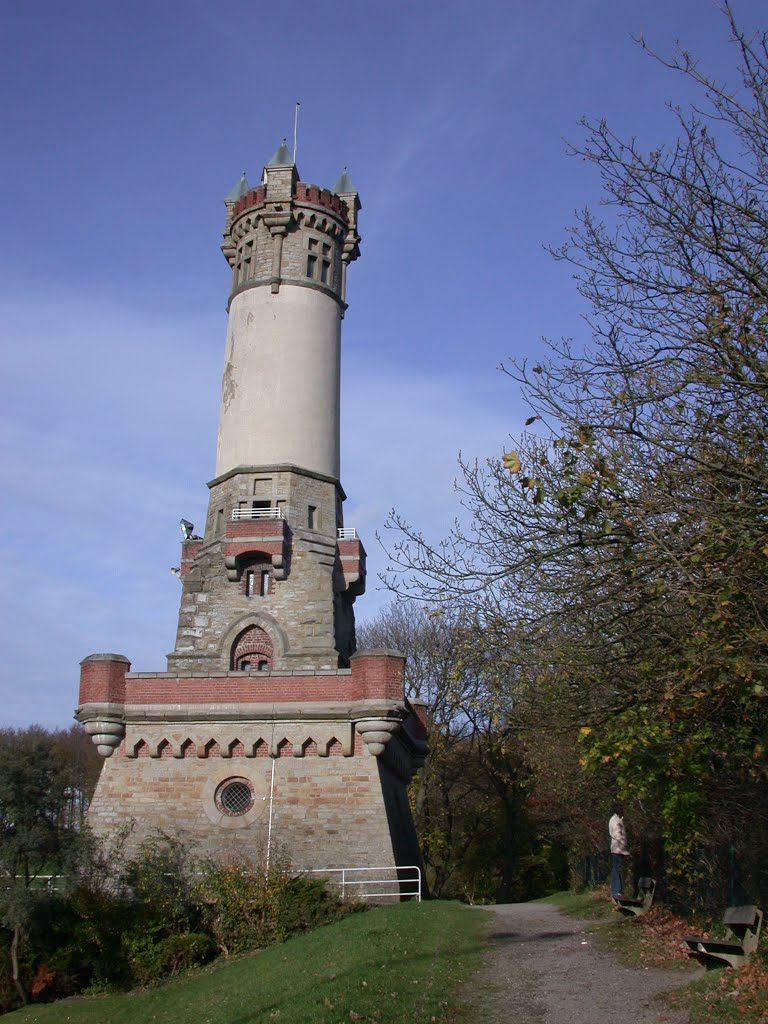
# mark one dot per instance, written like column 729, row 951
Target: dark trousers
column 617, row 860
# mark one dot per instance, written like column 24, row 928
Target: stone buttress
column 268, row 728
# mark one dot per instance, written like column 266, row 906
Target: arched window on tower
column 256, row 578
column 252, row 649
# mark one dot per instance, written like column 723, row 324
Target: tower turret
column 288, row 244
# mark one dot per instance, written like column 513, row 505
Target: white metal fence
column 373, row 883
column 257, row 513
column 343, row 533
column 353, row 883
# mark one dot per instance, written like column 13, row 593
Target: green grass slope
column 394, row 964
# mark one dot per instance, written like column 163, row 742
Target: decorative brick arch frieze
column 247, row 225
column 303, row 218
column 234, row 741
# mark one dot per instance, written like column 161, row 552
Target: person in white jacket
column 619, row 849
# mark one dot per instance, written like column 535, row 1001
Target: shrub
column 178, row 952
column 86, row 942
column 158, row 878
column 246, row 908
column 153, row 916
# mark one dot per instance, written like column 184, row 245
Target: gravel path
column 545, row 968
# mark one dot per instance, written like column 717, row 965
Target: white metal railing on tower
column 372, row 883
column 257, row 513
column 347, row 533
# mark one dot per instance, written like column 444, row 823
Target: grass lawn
column 395, row 964
column 591, row 904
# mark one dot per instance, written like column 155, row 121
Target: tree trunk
column 15, row 964
column 510, row 849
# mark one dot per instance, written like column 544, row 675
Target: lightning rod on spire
column 295, row 129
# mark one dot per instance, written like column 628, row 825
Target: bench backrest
column 740, row 915
column 744, row 924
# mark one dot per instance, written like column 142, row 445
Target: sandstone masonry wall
column 304, row 612
column 326, row 812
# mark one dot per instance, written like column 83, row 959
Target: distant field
column 394, row 964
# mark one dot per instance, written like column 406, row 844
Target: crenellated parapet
column 303, row 194
column 350, row 712
column 257, row 197
column 289, row 231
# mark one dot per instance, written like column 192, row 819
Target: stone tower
column 268, row 729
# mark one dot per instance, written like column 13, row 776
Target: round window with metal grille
column 235, row 797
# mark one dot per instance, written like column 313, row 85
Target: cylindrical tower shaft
column 280, row 389
column 288, row 244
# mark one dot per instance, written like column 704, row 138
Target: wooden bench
column 646, row 889
column 742, row 926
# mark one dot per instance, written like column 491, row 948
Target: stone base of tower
column 315, row 765
column 334, row 813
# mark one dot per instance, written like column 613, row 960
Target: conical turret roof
column 282, row 157
column 240, row 189
column 344, row 184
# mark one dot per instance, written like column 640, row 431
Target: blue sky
column 124, row 125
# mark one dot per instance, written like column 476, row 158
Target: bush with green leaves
column 133, row 921
column 245, row 908
column 152, row 959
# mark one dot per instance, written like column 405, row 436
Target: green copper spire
column 238, row 191
column 282, row 157
column 344, row 185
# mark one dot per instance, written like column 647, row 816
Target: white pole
column 269, row 827
column 295, row 129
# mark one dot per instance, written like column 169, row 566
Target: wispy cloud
column 103, row 447
column 402, row 434
column 108, row 431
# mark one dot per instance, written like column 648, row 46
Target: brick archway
column 252, row 649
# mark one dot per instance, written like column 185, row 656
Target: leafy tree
column 470, row 799
column 442, row 792
column 42, row 795
column 616, row 559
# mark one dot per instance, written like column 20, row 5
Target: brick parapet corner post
column 102, row 699
column 379, row 674
column 421, row 713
